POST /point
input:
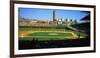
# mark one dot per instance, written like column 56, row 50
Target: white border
column 34, row 51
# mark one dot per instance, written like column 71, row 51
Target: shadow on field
column 35, row 44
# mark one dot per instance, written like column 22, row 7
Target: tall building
column 54, row 19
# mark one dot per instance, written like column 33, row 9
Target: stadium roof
column 86, row 17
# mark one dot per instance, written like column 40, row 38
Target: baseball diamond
column 48, row 35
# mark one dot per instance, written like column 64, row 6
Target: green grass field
column 47, row 34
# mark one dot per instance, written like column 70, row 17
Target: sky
column 47, row 14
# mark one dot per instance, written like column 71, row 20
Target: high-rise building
column 54, row 19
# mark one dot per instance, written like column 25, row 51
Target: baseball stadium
column 56, row 33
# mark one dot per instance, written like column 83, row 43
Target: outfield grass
column 43, row 29
column 34, row 29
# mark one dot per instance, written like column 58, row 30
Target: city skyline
column 47, row 14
